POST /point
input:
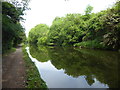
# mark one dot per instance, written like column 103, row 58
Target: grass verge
column 9, row 51
column 32, row 75
column 94, row 44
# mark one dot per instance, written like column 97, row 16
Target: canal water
column 69, row 67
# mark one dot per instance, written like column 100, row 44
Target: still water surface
column 70, row 67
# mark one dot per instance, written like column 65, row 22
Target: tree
column 88, row 10
column 38, row 34
column 12, row 30
column 92, row 30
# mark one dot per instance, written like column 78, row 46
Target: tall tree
column 88, row 10
column 12, row 30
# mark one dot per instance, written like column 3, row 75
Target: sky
column 44, row 11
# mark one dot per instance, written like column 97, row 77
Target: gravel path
column 13, row 70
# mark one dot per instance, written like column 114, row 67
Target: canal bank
column 33, row 77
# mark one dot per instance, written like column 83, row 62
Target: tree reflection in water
column 102, row 65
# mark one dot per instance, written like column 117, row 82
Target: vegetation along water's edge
column 34, row 80
column 99, row 30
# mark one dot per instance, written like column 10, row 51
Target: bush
column 90, row 44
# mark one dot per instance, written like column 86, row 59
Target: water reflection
column 76, row 68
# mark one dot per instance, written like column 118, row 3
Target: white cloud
column 44, row 11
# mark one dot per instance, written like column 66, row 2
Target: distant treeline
column 12, row 30
column 91, row 30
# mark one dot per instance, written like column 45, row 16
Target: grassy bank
column 8, row 51
column 33, row 78
column 94, row 44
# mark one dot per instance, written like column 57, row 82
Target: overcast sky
column 44, row 11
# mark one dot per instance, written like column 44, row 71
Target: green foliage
column 112, row 26
column 12, row 31
column 102, row 29
column 38, row 34
column 88, row 10
column 94, row 44
column 66, row 30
